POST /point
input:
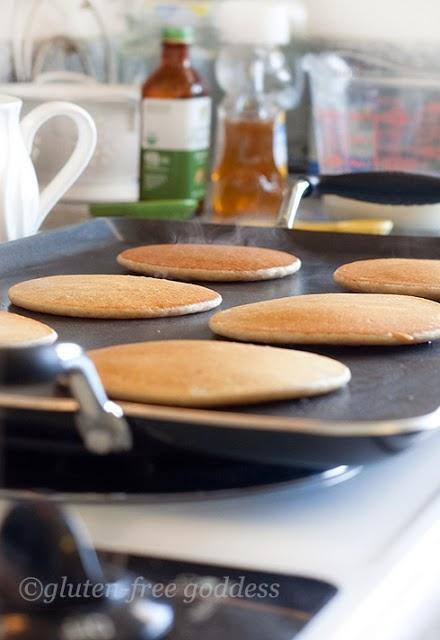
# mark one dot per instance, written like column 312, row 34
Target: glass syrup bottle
column 176, row 125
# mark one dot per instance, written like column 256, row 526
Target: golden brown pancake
column 112, row 296
column 208, row 262
column 17, row 331
column 203, row 373
column 333, row 318
column 392, row 275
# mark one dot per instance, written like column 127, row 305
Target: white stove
column 376, row 537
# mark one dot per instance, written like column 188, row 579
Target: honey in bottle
column 176, row 125
column 250, row 170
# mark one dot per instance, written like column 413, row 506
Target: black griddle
column 389, row 383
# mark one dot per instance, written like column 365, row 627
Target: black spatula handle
column 396, row 188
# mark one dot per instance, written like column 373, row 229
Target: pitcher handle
column 78, row 161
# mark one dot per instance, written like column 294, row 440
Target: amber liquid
column 175, row 78
column 247, row 180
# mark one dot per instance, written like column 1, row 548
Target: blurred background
column 108, row 48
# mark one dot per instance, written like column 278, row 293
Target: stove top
column 214, row 603
column 372, row 541
column 375, row 538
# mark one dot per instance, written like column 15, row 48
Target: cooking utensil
column 382, row 187
column 378, row 187
column 370, row 227
column 390, row 404
column 100, row 422
column 154, row 209
column 22, row 208
column 82, row 476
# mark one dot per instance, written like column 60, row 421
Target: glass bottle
column 176, row 125
column 250, row 174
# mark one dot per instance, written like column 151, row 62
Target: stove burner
column 51, row 584
column 217, row 602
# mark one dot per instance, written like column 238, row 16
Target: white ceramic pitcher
column 22, row 207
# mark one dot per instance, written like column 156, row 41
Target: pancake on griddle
column 203, row 373
column 112, row 297
column 333, row 318
column 17, row 331
column 406, row 276
column 209, row 262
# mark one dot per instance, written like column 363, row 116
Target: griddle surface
column 388, row 382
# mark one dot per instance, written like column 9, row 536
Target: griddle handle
column 380, row 187
column 100, row 422
column 287, row 215
column 30, row 365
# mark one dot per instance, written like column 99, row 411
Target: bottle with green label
column 176, row 125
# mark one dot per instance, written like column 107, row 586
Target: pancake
column 17, row 331
column 203, row 373
column 392, row 275
column 112, row 297
column 209, row 262
column 333, row 318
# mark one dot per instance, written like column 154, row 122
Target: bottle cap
column 178, row 35
column 253, row 22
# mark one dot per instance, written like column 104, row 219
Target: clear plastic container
column 373, row 116
column 250, row 173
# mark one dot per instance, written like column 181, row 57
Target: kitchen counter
column 311, row 209
column 66, row 214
